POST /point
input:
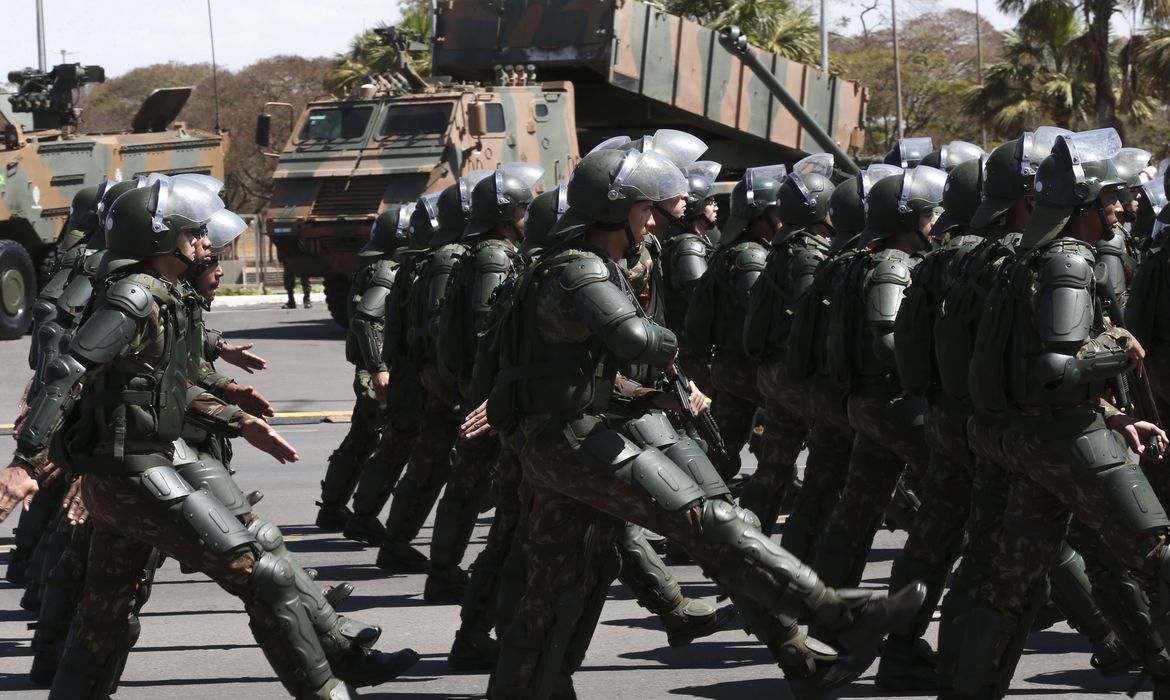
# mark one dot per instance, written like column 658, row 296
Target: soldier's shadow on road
column 712, row 655
column 1080, row 678
column 309, row 329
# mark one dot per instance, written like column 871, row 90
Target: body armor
column 739, row 269
column 789, row 272
column 684, row 260
column 466, row 310
column 371, row 289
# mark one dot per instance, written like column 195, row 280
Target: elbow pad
column 643, row 342
column 1064, row 309
column 55, row 396
column 1055, row 372
column 367, row 342
column 887, row 285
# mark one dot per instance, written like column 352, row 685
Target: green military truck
column 47, row 159
column 539, row 82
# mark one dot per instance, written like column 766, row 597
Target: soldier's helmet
column 454, row 205
column 1150, row 205
column 608, row 183
column 543, row 213
column 389, row 231
column 701, row 177
column 83, row 214
column 423, row 223
column 960, row 197
column 146, row 222
column 909, row 152
column 848, row 204
column 224, row 227
column 1130, row 162
column 756, row 193
column 896, row 203
column 948, row 156
column 1070, row 180
column 804, row 199
column 497, row 198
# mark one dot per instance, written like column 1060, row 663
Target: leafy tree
column 369, row 54
column 776, row 25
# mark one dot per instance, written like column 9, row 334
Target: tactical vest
column 806, row 352
column 538, row 376
column 464, row 312
column 136, row 404
column 676, row 294
column 914, row 327
column 426, row 299
column 396, row 331
column 773, row 298
column 957, row 321
column 732, row 294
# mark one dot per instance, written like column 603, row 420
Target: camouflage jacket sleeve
column 212, row 414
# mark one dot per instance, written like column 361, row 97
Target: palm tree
column 776, row 25
column 369, row 54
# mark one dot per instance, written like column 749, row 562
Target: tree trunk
column 1106, row 103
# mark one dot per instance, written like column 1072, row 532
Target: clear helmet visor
column 705, row 169
column 1155, row 192
column 430, row 206
column 914, row 148
column 402, row 227
column 185, row 203
column 612, row 143
column 223, row 227
column 1130, row 162
column 753, row 175
column 923, row 184
column 467, row 183
column 528, row 174
column 213, row 184
column 956, row 153
column 871, row 175
column 646, row 177
column 1037, row 146
column 819, row 163
column 679, row 147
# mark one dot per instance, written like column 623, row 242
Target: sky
column 122, row 36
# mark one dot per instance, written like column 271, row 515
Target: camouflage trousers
column 1052, row 484
column 465, row 496
column 738, row 396
column 427, row 470
column 888, row 438
column 786, row 432
column 936, row 538
column 829, row 444
column 381, row 470
column 365, row 428
column 127, row 525
column 61, row 593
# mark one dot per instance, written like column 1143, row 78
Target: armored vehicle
column 540, row 82
column 47, row 158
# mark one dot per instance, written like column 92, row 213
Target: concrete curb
column 244, row 301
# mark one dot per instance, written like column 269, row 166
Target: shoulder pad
column 582, row 271
column 71, row 257
column 56, row 284
column 93, row 263
column 752, row 256
column 77, row 295
column 1066, row 268
column 806, row 259
column 1112, row 246
column 691, row 245
column 891, row 272
column 493, row 258
column 131, row 296
column 384, row 273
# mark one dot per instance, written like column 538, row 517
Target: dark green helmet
column 849, row 201
column 145, row 222
column 700, row 187
column 543, row 213
column 497, row 198
column 896, row 203
column 1070, row 180
column 960, row 197
column 752, row 196
column 607, row 183
column 83, row 208
column 389, row 231
column 423, row 223
column 454, row 206
column 950, row 155
column 804, row 199
column 1151, row 203
column 909, row 152
column 110, row 194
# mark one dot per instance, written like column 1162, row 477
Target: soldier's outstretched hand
column 1138, row 435
column 15, row 486
column 476, row 423
column 252, row 401
column 239, row 356
column 264, row 437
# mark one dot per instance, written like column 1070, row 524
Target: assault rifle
column 703, row 423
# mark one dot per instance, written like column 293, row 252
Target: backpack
column 764, row 302
column 1146, row 294
column 842, row 339
column 700, row 321
column 456, row 340
column 1007, row 302
column 810, row 316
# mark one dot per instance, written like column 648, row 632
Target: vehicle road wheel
column 18, row 287
column 336, row 298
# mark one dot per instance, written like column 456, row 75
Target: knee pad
column 748, row 517
column 274, row 581
column 1135, row 505
column 665, row 482
column 687, row 454
column 269, row 536
column 215, row 525
column 652, row 430
column 206, row 472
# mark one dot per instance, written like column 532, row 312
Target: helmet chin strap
column 678, row 223
column 186, row 261
column 634, row 249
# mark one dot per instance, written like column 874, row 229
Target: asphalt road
column 195, row 641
